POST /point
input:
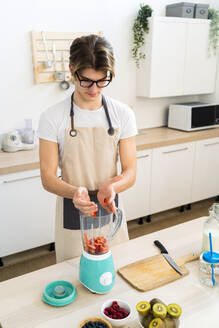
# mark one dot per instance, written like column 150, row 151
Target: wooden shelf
column 63, row 41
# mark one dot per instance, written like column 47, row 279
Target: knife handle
column 160, row 246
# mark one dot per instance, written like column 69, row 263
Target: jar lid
column 214, row 208
column 214, row 258
column 59, row 293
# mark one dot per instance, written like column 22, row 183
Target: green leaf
column 140, row 27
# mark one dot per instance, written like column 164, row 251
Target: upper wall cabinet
column 177, row 58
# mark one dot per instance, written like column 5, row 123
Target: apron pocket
column 71, row 218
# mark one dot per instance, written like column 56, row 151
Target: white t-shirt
column 56, row 119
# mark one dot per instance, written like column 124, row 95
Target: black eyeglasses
column 87, row 83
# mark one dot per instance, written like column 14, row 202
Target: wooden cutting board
column 155, row 271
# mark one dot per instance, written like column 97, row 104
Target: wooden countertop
column 19, row 161
column 148, row 139
column 20, row 298
column 163, row 136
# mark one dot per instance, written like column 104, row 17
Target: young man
column 83, row 135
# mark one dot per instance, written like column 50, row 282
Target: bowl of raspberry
column 117, row 312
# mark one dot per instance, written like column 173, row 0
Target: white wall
column 21, row 98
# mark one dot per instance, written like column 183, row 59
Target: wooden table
column 20, row 298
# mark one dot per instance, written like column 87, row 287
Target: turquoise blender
column 97, row 271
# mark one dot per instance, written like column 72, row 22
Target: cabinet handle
column 212, row 144
column 175, row 150
column 20, row 179
column 143, row 156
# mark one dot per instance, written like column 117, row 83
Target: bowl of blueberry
column 95, row 322
column 117, row 312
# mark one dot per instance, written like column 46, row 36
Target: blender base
column 97, row 272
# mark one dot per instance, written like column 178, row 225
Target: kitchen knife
column 167, row 257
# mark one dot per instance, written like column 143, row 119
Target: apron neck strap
column 110, row 130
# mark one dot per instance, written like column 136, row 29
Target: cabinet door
column 177, row 60
column 161, row 73
column 206, row 169
column 27, row 213
column 171, row 176
column 200, row 68
column 136, row 199
column 167, row 62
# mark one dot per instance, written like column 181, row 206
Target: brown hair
column 91, row 51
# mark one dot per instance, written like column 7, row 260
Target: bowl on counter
column 94, row 319
column 140, row 320
column 117, row 322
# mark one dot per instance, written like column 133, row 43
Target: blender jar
column 98, row 230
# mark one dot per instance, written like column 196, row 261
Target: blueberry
column 90, row 324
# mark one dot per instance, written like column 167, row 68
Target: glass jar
column 211, row 225
column 207, row 260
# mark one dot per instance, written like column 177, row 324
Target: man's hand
column 106, row 194
column 83, row 203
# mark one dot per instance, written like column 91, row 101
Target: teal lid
column 59, row 293
column 211, row 258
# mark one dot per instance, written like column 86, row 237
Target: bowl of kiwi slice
column 156, row 314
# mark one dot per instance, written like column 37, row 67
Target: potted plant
column 213, row 15
column 139, row 28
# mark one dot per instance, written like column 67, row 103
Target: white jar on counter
column 207, row 260
column 211, row 225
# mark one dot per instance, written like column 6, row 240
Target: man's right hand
column 83, row 203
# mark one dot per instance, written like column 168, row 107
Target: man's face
column 86, row 77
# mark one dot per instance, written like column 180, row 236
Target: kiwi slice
column 170, row 322
column 174, row 310
column 157, row 323
column 147, row 319
column 159, row 310
column 143, row 308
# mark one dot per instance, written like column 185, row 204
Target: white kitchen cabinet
column 177, row 60
column 200, row 66
column 136, row 199
column 171, row 179
column 206, row 170
column 27, row 212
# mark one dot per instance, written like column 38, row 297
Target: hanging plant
column 139, row 28
column 213, row 15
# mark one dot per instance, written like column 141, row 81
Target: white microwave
column 193, row 116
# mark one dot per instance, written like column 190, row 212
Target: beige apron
column 89, row 159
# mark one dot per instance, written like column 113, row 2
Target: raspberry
column 113, row 311
column 119, row 315
column 108, row 309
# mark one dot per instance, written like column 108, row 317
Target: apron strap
column 111, row 129
column 73, row 131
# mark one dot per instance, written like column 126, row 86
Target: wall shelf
column 63, row 41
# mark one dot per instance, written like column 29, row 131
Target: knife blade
column 167, row 257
